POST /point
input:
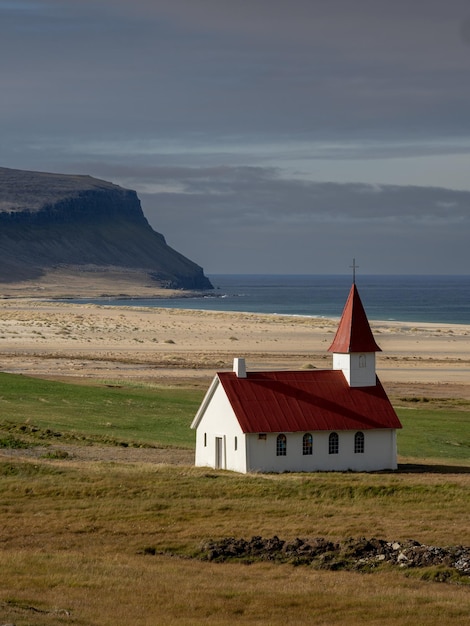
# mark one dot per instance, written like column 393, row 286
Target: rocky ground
column 352, row 554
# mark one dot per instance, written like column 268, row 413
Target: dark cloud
column 236, row 117
column 219, row 67
column 291, row 225
column 238, row 193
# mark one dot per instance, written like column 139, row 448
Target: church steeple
column 354, row 333
column 354, row 346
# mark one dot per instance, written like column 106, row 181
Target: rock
column 351, row 554
column 402, row 559
column 462, row 564
column 55, row 220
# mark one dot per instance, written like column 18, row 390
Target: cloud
column 270, row 190
column 254, row 219
column 258, row 134
column 173, row 67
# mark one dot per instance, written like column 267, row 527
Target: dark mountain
column 54, row 220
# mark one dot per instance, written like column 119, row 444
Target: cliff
column 50, row 221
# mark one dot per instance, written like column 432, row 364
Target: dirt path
column 72, row 453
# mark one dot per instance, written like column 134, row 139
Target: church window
column 359, row 443
column 262, row 436
column 281, row 445
column 362, row 360
column 205, row 440
column 333, row 443
column 236, row 444
column 307, row 444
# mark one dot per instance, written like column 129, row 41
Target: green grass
column 114, row 414
column 435, row 433
column 159, row 416
column 9, row 441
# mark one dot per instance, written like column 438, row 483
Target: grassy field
column 146, row 415
column 436, row 429
column 135, row 415
column 103, row 543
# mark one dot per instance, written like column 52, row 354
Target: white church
column 303, row 421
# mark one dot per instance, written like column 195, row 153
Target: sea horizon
column 426, row 298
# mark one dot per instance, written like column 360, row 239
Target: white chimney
column 239, row 367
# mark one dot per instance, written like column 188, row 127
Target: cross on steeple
column 354, row 268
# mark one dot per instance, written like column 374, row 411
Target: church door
column 219, row 453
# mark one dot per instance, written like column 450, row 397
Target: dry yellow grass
column 123, row 590
column 74, row 538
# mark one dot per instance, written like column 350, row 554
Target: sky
column 262, row 136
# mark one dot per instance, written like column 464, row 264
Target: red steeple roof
column 354, row 333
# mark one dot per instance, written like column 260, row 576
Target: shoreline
column 120, row 286
column 157, row 345
column 94, row 301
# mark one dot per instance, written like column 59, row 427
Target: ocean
column 439, row 299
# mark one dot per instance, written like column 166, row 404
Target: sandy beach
column 180, row 347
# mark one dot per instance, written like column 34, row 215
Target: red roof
column 354, row 333
column 306, row 401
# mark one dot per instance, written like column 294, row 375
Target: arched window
column 307, row 444
column 333, row 443
column 359, row 443
column 281, row 445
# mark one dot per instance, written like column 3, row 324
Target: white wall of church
column 220, row 441
column 379, row 452
column 358, row 368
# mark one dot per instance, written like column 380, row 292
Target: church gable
column 220, row 442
